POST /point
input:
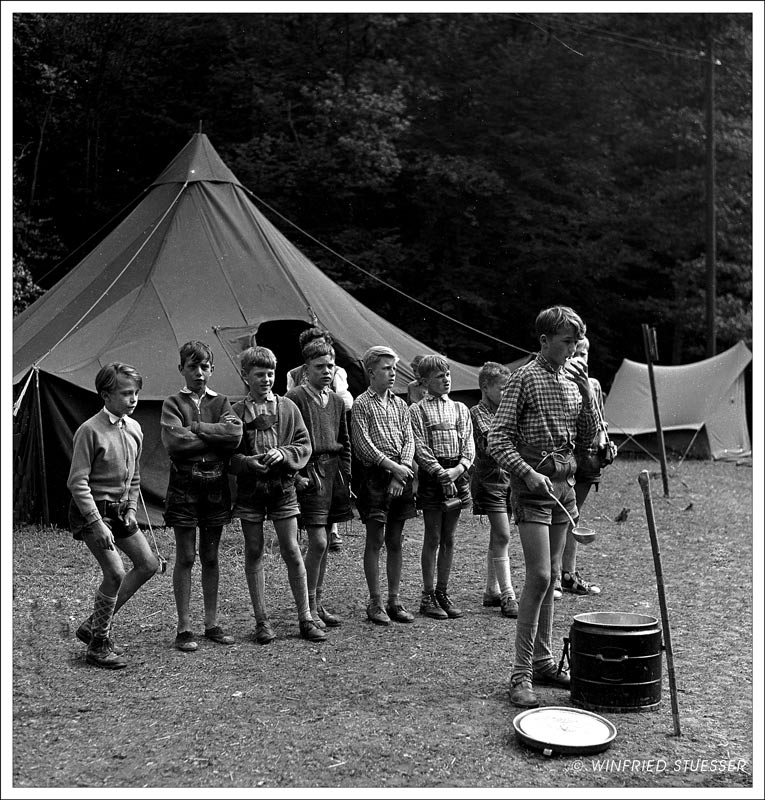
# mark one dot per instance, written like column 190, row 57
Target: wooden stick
column 644, row 479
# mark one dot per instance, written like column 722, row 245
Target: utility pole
column 711, row 223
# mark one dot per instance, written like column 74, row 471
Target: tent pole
column 43, row 470
column 237, row 367
column 690, row 445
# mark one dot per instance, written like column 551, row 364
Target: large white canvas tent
column 195, row 259
column 702, row 406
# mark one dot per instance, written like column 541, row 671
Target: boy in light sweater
column 104, row 481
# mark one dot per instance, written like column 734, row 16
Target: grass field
column 422, row 705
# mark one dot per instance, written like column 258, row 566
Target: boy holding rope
column 104, row 481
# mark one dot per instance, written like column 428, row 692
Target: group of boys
column 292, row 455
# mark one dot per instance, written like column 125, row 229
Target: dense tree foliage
column 486, row 164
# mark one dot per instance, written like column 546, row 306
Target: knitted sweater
column 292, row 435
column 208, row 433
column 105, row 464
column 327, row 427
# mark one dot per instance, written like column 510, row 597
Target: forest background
column 486, row 164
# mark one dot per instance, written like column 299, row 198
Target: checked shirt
column 442, row 429
column 381, row 428
column 541, row 408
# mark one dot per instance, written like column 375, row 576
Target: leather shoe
column 443, row 600
column 310, row 630
column 101, row 655
column 522, row 695
column 548, row 676
column 264, row 632
column 328, row 618
column 377, row 615
column 85, row 634
column 218, row 635
column 430, row 608
column 398, row 613
column 185, row 641
column 509, row 607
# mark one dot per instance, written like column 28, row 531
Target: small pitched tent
column 702, row 406
column 195, row 259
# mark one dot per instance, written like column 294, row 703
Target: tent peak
column 197, row 161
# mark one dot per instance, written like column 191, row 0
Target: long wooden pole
column 644, row 479
column 649, row 342
column 711, row 219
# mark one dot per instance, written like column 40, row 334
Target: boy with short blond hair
column 199, row 432
column 275, row 445
column 381, row 433
column 444, row 451
column 490, row 488
column 539, row 420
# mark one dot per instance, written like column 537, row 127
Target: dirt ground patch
column 422, row 705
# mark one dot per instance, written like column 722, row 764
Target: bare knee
column 318, row 540
column 147, row 567
column 538, row 578
column 209, row 560
column 184, row 559
column 113, row 576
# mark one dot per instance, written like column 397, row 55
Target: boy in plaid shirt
column 444, row 450
column 381, row 433
column 543, row 413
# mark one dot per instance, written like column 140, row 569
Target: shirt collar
column 387, row 396
column 545, row 364
column 208, row 390
column 113, row 419
column 324, row 391
column 431, row 397
column 270, row 397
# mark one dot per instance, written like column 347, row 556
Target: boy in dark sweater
column 199, row 431
column 323, row 486
column 275, row 445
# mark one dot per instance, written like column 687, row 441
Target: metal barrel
column 615, row 661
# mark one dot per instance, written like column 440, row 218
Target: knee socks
column 492, row 587
column 103, row 611
column 543, row 642
column 256, row 582
column 299, row 588
column 502, row 571
column 525, row 634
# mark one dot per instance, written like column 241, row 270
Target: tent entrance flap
column 279, row 336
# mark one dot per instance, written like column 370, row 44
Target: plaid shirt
column 482, row 416
column 541, row 408
column 442, row 429
column 381, row 428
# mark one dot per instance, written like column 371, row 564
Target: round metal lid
column 559, row 729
